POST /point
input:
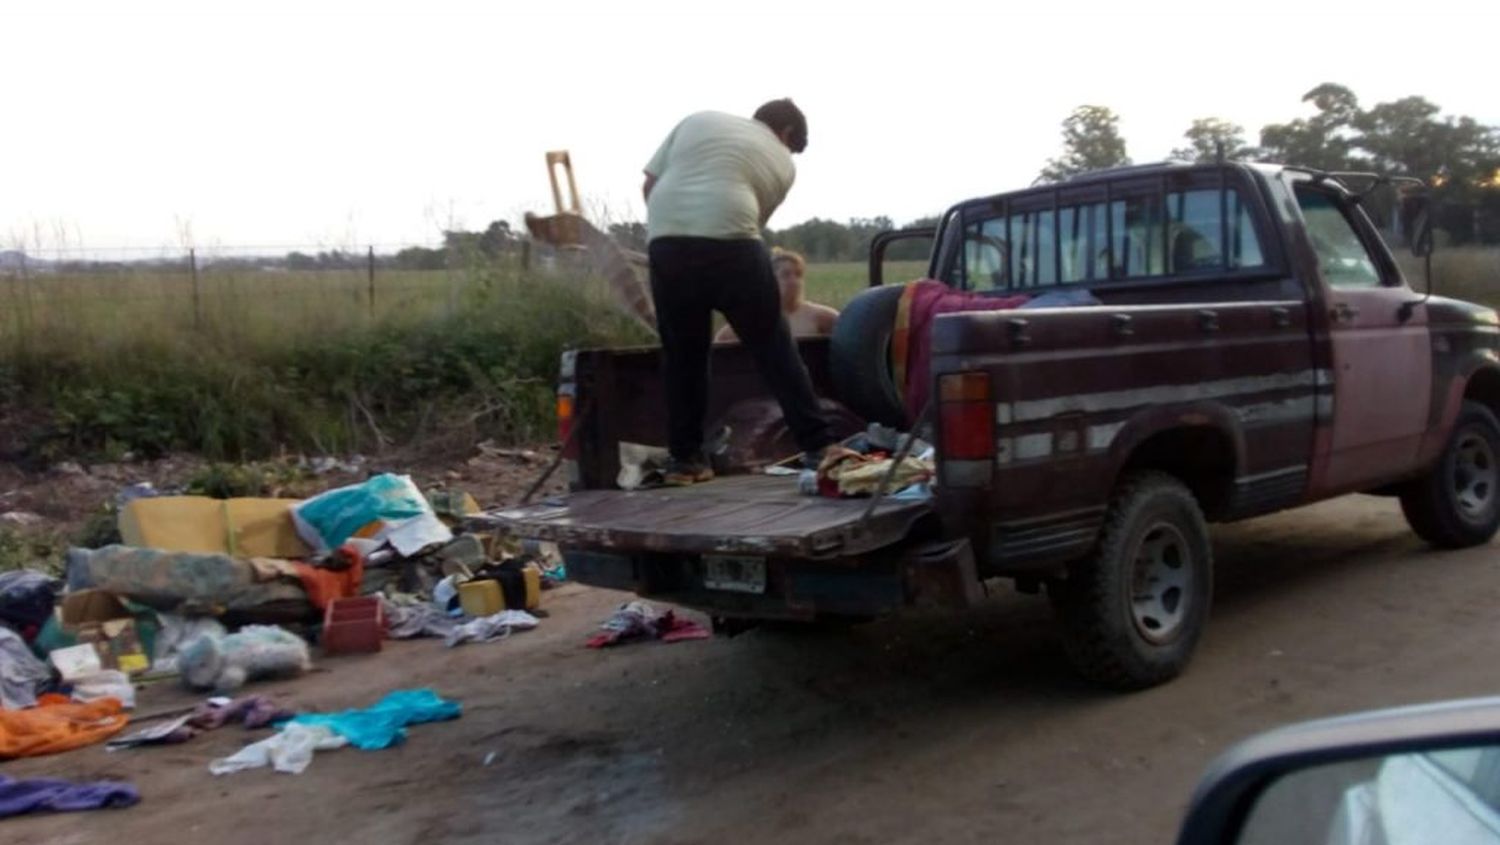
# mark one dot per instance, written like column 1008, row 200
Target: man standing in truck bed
column 709, row 190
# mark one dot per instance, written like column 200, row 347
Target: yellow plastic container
column 482, row 598
column 533, row 576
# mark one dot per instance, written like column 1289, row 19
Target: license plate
column 734, row 573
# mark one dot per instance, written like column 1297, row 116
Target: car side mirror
column 1419, row 774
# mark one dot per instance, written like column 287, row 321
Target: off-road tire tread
column 1427, row 503
column 1094, row 648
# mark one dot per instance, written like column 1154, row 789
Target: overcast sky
column 341, row 124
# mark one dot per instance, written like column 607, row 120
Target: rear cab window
column 1176, row 224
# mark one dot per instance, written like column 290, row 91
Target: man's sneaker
column 685, row 473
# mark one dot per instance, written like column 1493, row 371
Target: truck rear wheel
column 1457, row 504
column 1133, row 611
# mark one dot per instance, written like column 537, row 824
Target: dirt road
column 938, row 728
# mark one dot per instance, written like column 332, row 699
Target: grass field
column 250, row 362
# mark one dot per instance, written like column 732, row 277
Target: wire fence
column 264, row 288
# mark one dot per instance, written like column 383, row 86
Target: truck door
column 1381, row 355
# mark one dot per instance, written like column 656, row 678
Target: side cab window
column 1344, row 257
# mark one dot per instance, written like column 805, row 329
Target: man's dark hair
column 784, row 114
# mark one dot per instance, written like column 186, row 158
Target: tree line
column 1456, row 155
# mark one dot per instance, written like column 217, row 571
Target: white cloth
column 106, row 683
column 717, row 176
column 21, row 673
column 497, row 626
column 290, row 750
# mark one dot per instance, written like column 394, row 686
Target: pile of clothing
column 860, row 465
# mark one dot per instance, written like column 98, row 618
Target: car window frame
column 1364, row 231
column 1227, row 177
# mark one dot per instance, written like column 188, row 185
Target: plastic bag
column 26, row 598
column 176, row 632
column 289, row 751
column 21, row 673
column 386, row 507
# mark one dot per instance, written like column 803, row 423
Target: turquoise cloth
column 384, row 724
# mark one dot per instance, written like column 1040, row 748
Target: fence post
column 197, row 295
column 372, row 281
column 26, row 314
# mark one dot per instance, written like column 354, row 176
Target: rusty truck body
column 1254, row 346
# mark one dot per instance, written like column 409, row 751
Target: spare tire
column 859, row 357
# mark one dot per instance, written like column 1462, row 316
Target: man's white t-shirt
column 717, row 176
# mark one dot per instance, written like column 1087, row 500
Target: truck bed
column 743, row 514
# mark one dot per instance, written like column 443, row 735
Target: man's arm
column 657, row 165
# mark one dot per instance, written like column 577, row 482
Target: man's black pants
column 690, row 279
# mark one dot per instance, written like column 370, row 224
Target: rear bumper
column 933, row 574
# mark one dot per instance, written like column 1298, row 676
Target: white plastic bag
column 291, row 750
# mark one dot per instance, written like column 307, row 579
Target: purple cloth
column 25, row 796
column 256, row 711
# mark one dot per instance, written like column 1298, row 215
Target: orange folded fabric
column 57, row 724
column 325, row 585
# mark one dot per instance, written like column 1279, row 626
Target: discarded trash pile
column 221, row 593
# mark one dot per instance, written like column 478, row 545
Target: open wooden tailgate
column 749, row 514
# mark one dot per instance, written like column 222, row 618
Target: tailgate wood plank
column 750, row 514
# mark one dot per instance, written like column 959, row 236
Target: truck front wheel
column 1456, row 504
column 1132, row 612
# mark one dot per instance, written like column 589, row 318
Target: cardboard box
column 117, row 644
column 84, row 606
column 239, row 527
column 76, row 661
column 98, row 620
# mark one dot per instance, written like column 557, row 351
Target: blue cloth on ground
column 383, row 724
column 25, row 796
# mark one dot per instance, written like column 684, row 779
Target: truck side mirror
column 924, row 235
column 1416, row 220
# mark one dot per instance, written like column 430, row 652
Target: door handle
column 1343, row 312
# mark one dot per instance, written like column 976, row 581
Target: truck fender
column 1148, row 438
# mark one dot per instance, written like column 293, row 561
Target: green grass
column 263, row 362
column 291, row 361
column 836, row 283
column 1469, row 273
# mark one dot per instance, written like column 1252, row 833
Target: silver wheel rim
column 1474, row 476
column 1161, row 579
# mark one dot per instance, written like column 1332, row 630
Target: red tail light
column 966, row 416
column 565, row 425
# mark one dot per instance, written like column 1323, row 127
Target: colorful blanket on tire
column 911, row 341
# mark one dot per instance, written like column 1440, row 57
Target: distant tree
column 1325, row 140
column 1091, row 141
column 496, row 239
column 421, row 258
column 913, row 249
column 1206, row 136
column 301, row 261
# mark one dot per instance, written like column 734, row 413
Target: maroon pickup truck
column 1245, row 344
